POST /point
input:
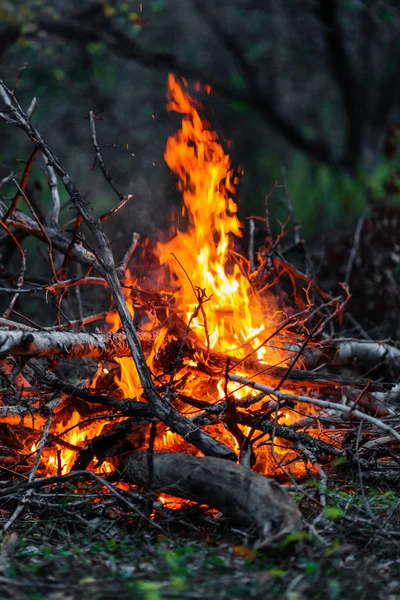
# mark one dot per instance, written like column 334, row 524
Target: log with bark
column 251, row 500
column 107, row 346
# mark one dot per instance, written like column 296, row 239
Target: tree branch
column 162, row 409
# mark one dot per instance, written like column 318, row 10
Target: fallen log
column 251, row 500
column 369, row 354
column 107, row 346
column 359, row 355
column 98, row 346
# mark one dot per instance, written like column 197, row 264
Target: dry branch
column 248, row 498
column 105, row 346
column 163, row 410
column 348, row 410
column 27, row 224
column 59, row 343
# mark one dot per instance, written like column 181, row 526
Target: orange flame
column 201, row 259
column 202, row 255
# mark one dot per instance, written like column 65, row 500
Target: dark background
column 312, row 86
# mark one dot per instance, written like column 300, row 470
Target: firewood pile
column 214, row 377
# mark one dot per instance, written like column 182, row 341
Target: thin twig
column 55, row 196
column 353, row 253
column 99, row 157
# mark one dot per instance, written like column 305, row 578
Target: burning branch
column 209, row 362
column 350, row 410
column 104, row 256
column 108, row 346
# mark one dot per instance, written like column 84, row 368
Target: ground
column 79, row 542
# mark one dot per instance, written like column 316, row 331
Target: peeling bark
column 107, row 346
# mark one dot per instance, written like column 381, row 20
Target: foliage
column 97, row 558
column 272, row 68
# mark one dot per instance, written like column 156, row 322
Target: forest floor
column 79, row 543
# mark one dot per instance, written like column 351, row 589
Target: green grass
column 58, row 555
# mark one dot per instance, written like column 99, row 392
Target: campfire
column 218, row 368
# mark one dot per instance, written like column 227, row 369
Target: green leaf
column 178, row 584
column 333, row 512
column 277, row 572
column 151, row 590
column 311, row 567
column 295, row 536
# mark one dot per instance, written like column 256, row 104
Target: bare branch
column 55, row 196
column 316, row 402
column 177, row 422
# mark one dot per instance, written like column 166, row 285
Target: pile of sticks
column 348, row 416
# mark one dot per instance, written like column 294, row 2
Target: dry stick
column 105, row 346
column 296, row 274
column 287, row 432
column 68, row 254
column 99, row 157
column 76, row 323
column 13, row 324
column 201, row 297
column 251, row 246
column 353, row 253
column 36, row 326
column 25, row 176
column 55, row 196
column 25, row 223
column 114, row 209
column 16, row 414
column 298, row 354
column 82, row 321
column 32, row 474
column 317, row 402
column 46, row 237
column 59, row 343
column 5, row 180
column 45, row 481
column 127, row 406
column 194, row 315
column 52, row 287
column 130, row 251
column 20, row 281
column 245, row 449
column 19, row 412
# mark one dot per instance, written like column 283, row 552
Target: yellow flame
column 200, row 260
column 207, row 183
